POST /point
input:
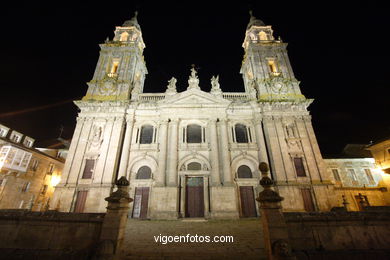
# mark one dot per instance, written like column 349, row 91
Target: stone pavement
column 139, row 240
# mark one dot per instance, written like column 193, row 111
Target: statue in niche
column 193, row 81
column 215, row 87
column 171, row 89
column 252, row 89
column 136, row 87
column 96, row 139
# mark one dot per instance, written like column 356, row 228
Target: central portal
column 194, row 197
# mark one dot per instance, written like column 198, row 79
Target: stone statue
column 171, row 89
column 193, row 81
column 96, row 139
column 215, row 87
column 252, row 89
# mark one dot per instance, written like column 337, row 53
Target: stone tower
column 296, row 162
column 95, row 150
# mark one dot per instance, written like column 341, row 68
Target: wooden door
column 194, row 197
column 141, row 199
column 80, row 201
column 307, row 200
column 248, row 206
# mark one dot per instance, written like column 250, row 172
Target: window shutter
column 146, row 134
column 300, row 169
column 88, row 169
column 194, row 134
column 241, row 133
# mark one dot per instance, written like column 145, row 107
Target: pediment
column 194, row 97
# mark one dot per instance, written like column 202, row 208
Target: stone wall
column 340, row 235
column 48, row 235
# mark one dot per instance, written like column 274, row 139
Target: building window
column 244, row 172
column 34, row 165
column 26, row 186
column 124, row 37
column 3, row 132
column 299, row 167
column 144, row 173
column 146, row 134
column 369, row 175
column 336, row 174
column 15, row 138
column 241, row 133
column 273, row 68
column 114, row 68
column 194, row 166
column 88, row 169
column 44, row 190
column 194, row 134
column 263, row 36
column 353, row 174
column 50, row 169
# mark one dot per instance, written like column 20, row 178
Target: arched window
column 146, row 136
column 124, row 36
column 144, row 173
column 244, row 172
column 194, row 166
column 241, row 133
column 263, row 36
column 194, row 134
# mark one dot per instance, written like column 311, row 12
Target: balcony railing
column 234, row 96
column 151, row 97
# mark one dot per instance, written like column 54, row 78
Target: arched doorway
column 247, row 198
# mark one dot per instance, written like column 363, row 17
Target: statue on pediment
column 171, row 88
column 193, row 81
column 215, row 86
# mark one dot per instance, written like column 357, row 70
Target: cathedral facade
column 193, row 153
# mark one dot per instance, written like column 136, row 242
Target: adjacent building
column 28, row 175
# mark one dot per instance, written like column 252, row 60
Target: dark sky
column 339, row 52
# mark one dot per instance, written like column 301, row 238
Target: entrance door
column 194, row 197
column 140, row 208
column 248, row 206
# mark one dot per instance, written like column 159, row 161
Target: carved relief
column 96, row 139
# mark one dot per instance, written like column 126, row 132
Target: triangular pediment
column 194, row 97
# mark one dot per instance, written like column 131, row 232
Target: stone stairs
column 139, row 242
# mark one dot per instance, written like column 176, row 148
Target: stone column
column 225, row 154
column 172, row 158
column 162, row 155
column 275, row 233
column 126, row 148
column 215, row 178
column 114, row 223
column 262, row 154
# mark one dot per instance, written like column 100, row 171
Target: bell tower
column 120, row 71
column 266, row 67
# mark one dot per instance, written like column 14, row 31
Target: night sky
column 339, row 52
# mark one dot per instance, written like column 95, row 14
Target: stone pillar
column 162, row 156
column 126, row 148
column 225, row 155
column 114, row 224
column 215, row 177
column 262, row 154
column 172, row 158
column 276, row 239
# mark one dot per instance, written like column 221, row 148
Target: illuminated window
column 336, row 174
column 263, row 36
column 299, row 168
column 114, row 68
column 273, row 68
column 124, row 37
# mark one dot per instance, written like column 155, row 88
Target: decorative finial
column 251, row 13
column 135, row 14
